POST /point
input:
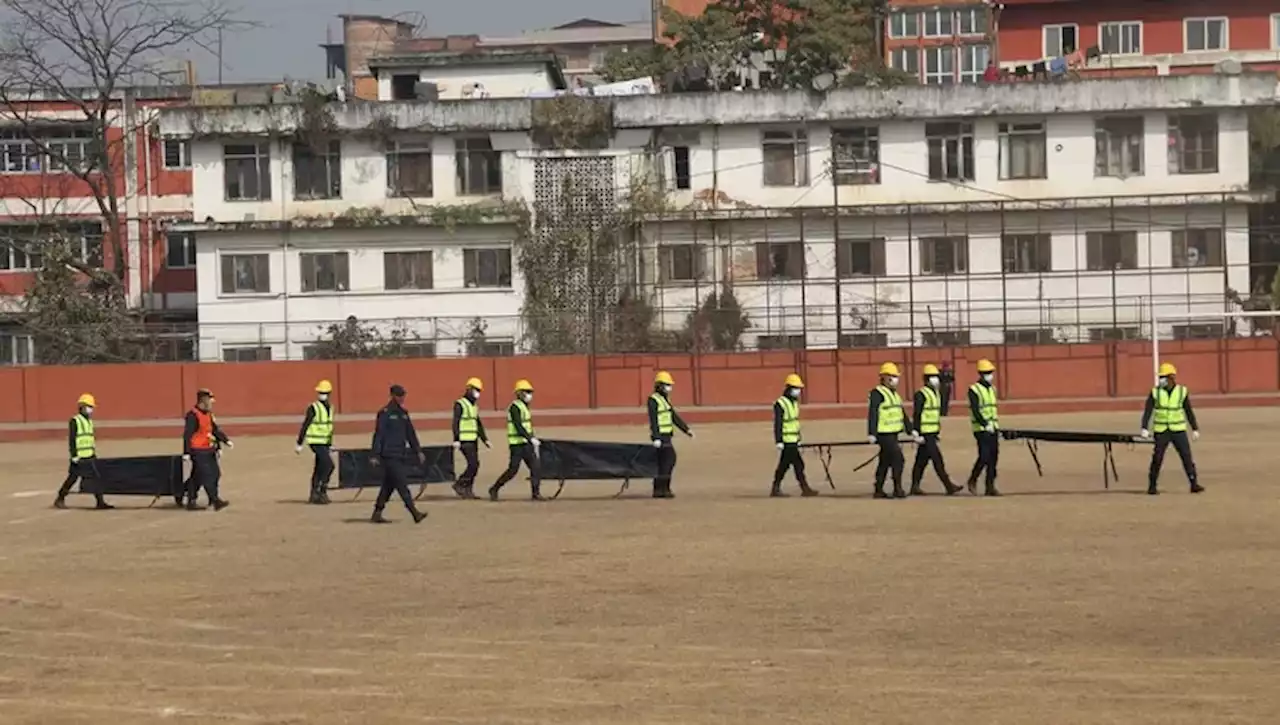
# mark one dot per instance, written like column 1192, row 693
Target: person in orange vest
column 83, row 448
column 202, row 440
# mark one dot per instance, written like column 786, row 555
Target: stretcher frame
column 1108, row 440
column 825, row 451
column 422, row 487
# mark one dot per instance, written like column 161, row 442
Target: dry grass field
column 1058, row 603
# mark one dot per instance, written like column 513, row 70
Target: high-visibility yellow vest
column 469, row 423
column 526, row 419
column 1169, row 415
column 665, row 426
column 86, row 446
column 320, row 432
column 790, row 420
column 889, row 419
column 986, row 406
column 931, row 415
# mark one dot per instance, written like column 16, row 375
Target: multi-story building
column 939, row 44
column 983, row 214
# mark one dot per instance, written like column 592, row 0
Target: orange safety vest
column 202, row 439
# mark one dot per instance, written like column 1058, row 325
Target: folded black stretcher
column 825, row 451
column 597, row 461
column 1034, row 437
column 154, row 476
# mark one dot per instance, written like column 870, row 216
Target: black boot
column 60, row 502
column 1196, row 488
column 917, row 491
column 460, row 489
column 323, row 494
column 1152, row 490
column 972, row 485
column 807, row 491
column 378, row 518
column 776, row 491
column 220, row 503
column 991, row 490
column 898, row 492
column 493, row 492
column 418, row 516
column 194, row 505
column 102, row 505
column 879, row 492
column 952, row 489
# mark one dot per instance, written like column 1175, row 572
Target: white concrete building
column 1020, row 213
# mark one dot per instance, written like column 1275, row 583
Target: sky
column 288, row 42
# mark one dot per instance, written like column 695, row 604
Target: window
column 408, row 270
column 944, row 255
column 780, row 342
column 177, row 153
column 950, row 151
column 786, row 158
column 479, row 167
column 780, row 260
column 1275, row 31
column 324, row 272
column 19, row 256
column 246, row 274
column 180, row 250
column 863, row 339
column 1197, row 248
column 23, row 245
column 48, row 149
column 1193, row 144
column 1113, row 334
column 486, row 267
column 1123, row 38
column 940, row 65
column 682, row 167
column 860, row 257
column 1111, row 250
column 904, row 25
column 906, row 60
column 1061, row 40
column 972, row 20
column 939, row 23
column 973, row 62
column 1200, row 331
column 1205, row 34
column 1118, row 144
column 491, row 348
column 246, row 354
column 681, row 262
column 1029, row 336
column 404, row 87
column 409, row 168
column 1026, row 252
column 944, row 338
column 317, row 173
column 16, row 349
column 1022, row 151
column 856, row 155
column 247, row 171
column 411, row 349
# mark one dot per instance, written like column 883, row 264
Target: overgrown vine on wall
column 572, row 122
column 316, row 125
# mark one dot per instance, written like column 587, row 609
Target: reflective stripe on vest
column 469, row 423
column 889, row 419
column 986, row 406
column 931, row 415
column 202, row 439
column 526, row 419
column 320, row 432
column 790, row 420
column 1169, row 415
column 665, row 427
column 86, row 447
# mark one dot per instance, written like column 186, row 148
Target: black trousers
column 522, row 453
column 926, row 453
column 988, row 457
column 206, row 473
column 666, row 466
column 395, row 478
column 322, row 471
column 891, row 459
column 790, row 458
column 1180, row 444
column 471, row 453
column 86, row 469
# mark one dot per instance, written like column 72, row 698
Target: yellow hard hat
column 324, row 386
column 664, row 378
column 889, row 369
column 523, row 385
column 475, row 383
column 985, row 366
column 1167, row 369
column 87, row 399
column 793, row 381
column 930, row 369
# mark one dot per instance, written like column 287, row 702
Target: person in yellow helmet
column 984, row 418
column 886, row 418
column 786, row 437
column 317, row 433
column 929, row 407
column 468, row 434
column 522, row 443
column 83, row 449
column 663, row 422
column 1171, row 405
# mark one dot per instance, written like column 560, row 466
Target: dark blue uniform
column 394, row 441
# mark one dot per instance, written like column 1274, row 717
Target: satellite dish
column 824, row 81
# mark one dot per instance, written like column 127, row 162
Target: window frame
column 228, row 258
column 1062, row 48
column 414, row 286
column 978, row 13
column 1275, row 31
column 1011, row 134
column 849, row 167
column 845, row 257
column 667, row 263
column 463, row 156
column 1104, row 133
column 1178, row 152
column 1216, row 247
column 506, row 347
column 261, row 158
column 959, row 262
column 966, row 159
column 941, row 53
column 911, row 52
column 16, row 340
column 1204, row 21
column 968, row 52
column 235, row 349
column 938, row 14
column 799, row 143
column 308, row 279
column 1042, row 253
column 188, row 246
column 1127, row 236
column 474, row 253
column 302, row 154
column 1038, row 335
column 766, row 269
column 393, row 151
column 184, row 154
column 905, row 32
column 788, row 341
column 1120, row 25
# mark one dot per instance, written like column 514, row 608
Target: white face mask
column 933, row 381
column 989, row 377
column 665, row 389
column 1164, row 381
column 88, row 410
column 474, row 395
column 527, row 397
column 323, row 396
column 892, row 381
column 793, row 393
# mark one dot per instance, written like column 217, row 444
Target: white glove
column 186, row 457
column 457, row 445
column 871, row 439
column 486, row 445
column 919, row 438
column 77, row 460
column 778, row 446
column 1195, row 435
column 536, row 443
column 1144, row 433
column 657, row 444
column 230, row 444
column 991, row 427
column 691, row 434
column 297, row 449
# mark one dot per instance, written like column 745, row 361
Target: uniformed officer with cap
column 468, row 433
column 83, row 448
column 394, row 440
column 317, row 433
column 202, row 442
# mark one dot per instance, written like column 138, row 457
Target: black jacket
column 393, row 433
column 457, row 420
column 309, row 417
column 192, row 425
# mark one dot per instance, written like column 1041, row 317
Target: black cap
column 397, row 390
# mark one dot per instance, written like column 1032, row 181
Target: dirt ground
column 1058, row 603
